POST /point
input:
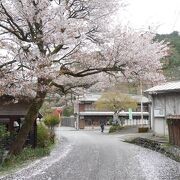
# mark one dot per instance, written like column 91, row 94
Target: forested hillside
column 172, row 63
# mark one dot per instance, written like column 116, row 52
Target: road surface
column 92, row 155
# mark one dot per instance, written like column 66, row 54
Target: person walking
column 102, row 123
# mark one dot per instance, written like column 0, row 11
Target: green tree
column 171, row 65
column 46, row 108
column 68, row 111
column 116, row 102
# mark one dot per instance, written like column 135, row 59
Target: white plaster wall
column 160, row 127
column 170, row 104
column 166, row 130
column 177, row 103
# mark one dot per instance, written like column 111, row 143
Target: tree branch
column 12, row 23
column 67, row 54
column 7, row 63
column 56, row 49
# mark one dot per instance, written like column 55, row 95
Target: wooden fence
column 68, row 121
column 136, row 122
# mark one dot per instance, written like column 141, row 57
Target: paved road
column 91, row 155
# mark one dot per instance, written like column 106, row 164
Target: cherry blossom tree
column 138, row 54
column 64, row 44
column 38, row 39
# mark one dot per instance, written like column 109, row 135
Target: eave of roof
column 173, row 86
column 95, row 97
column 98, row 113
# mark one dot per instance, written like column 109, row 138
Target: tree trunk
column 31, row 116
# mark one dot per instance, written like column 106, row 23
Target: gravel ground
column 91, row 155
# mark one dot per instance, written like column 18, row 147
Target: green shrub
column 3, row 131
column 143, row 129
column 43, row 135
column 115, row 128
column 4, row 136
column 51, row 121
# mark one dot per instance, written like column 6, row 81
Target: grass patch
column 27, row 155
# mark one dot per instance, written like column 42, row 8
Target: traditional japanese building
column 165, row 102
column 12, row 115
column 88, row 115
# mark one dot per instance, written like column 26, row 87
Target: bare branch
column 7, row 63
column 12, row 23
column 68, row 54
column 56, row 49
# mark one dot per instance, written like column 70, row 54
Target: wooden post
column 141, row 91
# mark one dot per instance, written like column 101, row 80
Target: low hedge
column 115, row 128
column 143, row 129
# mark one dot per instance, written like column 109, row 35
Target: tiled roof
column 173, row 86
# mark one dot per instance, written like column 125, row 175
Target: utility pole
column 141, row 91
column 77, row 112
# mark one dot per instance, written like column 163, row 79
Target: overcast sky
column 160, row 15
